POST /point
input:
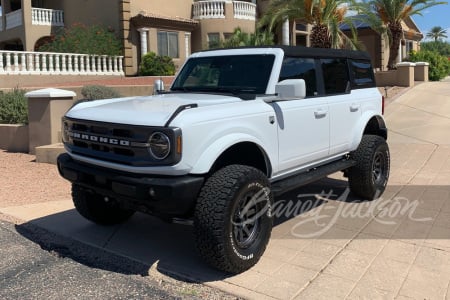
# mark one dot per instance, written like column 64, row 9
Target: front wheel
column 233, row 220
column 95, row 208
column 369, row 177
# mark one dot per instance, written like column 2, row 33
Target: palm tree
column 437, row 33
column 386, row 16
column 325, row 16
column 240, row 38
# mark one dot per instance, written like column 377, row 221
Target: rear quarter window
column 362, row 74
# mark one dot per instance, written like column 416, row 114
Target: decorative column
column 144, row 40
column 400, row 52
column 187, row 43
column 405, row 74
column 285, row 32
column 45, row 109
column 421, row 71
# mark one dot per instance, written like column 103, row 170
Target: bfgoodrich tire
column 369, row 177
column 94, row 207
column 233, row 219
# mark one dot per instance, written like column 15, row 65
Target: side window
column 335, row 75
column 168, row 43
column 362, row 73
column 300, row 68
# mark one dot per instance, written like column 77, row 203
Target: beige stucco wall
column 179, row 8
column 90, row 12
column 80, row 11
column 14, row 137
column 221, row 26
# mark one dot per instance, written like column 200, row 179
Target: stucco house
column 378, row 46
column 174, row 28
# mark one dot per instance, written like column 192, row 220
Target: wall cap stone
column 406, row 64
column 50, row 93
column 422, row 63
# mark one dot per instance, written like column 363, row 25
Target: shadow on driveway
column 145, row 241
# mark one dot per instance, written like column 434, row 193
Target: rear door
column 344, row 105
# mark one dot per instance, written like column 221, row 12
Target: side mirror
column 158, row 87
column 291, row 88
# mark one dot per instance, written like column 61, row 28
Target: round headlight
column 159, row 145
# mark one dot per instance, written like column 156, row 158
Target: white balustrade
column 215, row 9
column 43, row 16
column 244, row 10
column 14, row 19
column 209, row 9
column 8, row 62
column 48, row 63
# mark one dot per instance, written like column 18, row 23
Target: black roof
column 312, row 52
column 323, row 52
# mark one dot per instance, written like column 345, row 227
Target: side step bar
column 303, row 178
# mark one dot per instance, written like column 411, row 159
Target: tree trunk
column 320, row 37
column 396, row 32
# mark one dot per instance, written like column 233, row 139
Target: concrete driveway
column 325, row 244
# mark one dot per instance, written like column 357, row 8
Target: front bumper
column 165, row 195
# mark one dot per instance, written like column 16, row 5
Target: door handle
column 320, row 113
column 354, row 107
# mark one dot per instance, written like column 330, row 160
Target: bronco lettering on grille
column 99, row 139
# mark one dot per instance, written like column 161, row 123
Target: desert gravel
column 23, row 181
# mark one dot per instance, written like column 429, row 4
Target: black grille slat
column 124, row 133
column 99, row 139
column 99, row 130
column 118, row 143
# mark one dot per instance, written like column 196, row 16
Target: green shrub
column 96, row 92
column 84, row 39
column 443, row 48
column 155, row 65
column 439, row 65
column 13, row 107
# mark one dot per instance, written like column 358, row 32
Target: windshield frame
column 235, row 74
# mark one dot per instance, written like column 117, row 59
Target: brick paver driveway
column 325, row 244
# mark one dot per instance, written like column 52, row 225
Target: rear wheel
column 97, row 208
column 233, row 219
column 369, row 177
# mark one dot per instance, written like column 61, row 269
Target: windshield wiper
column 242, row 93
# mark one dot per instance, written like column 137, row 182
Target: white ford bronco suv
column 237, row 128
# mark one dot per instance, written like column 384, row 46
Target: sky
column 438, row 15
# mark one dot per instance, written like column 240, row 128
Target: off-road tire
column 220, row 217
column 369, row 177
column 93, row 207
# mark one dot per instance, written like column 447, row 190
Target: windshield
column 236, row 74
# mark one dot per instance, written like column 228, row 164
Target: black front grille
column 119, row 143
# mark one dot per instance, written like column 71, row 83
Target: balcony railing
column 39, row 16
column 42, row 16
column 216, row 9
column 14, row 19
column 21, row 62
column 244, row 10
column 208, row 10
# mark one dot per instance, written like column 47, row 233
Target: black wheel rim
column 379, row 168
column 246, row 223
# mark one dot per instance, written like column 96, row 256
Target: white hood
column 147, row 111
